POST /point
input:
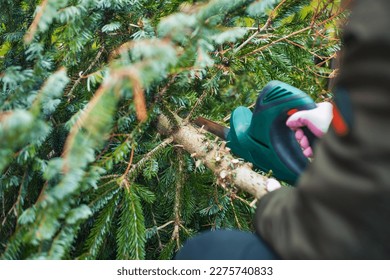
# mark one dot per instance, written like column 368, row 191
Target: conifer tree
column 85, row 173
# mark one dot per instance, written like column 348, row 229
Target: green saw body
column 262, row 136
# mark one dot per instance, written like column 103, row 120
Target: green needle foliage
column 84, row 173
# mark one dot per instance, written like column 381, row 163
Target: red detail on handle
column 338, row 122
column 291, row 112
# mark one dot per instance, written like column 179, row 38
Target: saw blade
column 213, row 127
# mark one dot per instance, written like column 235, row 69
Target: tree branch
column 228, row 170
column 82, row 74
column 293, row 34
column 179, row 185
column 34, row 25
column 260, row 30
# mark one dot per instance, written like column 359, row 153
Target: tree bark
column 228, row 170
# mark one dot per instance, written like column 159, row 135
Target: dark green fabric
column 341, row 206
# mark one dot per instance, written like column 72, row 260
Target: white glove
column 316, row 120
column 272, row 185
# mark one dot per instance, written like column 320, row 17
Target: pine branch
column 265, row 26
column 17, row 202
column 294, row 34
column 101, row 229
column 131, row 232
column 34, row 26
column 82, row 74
column 197, row 104
column 235, row 214
column 226, row 168
column 160, row 245
column 196, row 58
column 129, row 175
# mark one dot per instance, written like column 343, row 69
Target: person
column 340, row 208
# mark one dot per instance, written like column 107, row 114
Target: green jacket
column 340, row 208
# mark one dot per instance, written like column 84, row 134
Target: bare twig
column 130, row 163
column 176, row 211
column 198, row 102
column 247, row 41
column 243, row 200
column 165, row 88
column 160, row 245
column 15, row 205
column 293, row 34
column 235, row 214
column 99, row 54
column 165, row 225
column 264, row 27
column 304, row 48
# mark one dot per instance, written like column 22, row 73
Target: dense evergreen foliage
column 84, row 173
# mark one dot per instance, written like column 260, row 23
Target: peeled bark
column 229, row 170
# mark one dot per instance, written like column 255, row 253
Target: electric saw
column 262, row 136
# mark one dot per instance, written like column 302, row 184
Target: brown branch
column 243, row 200
column 293, row 34
column 147, row 157
column 265, row 26
column 160, row 245
column 139, row 96
column 34, row 25
column 227, row 169
column 320, row 10
column 176, row 211
column 130, row 162
column 116, row 77
column 99, row 54
column 235, row 214
column 80, row 123
column 5, row 115
column 162, row 91
column 41, row 195
column 121, row 49
column 132, row 73
column 197, row 104
column 304, row 48
column 16, row 204
column 165, row 225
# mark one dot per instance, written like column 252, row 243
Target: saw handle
column 286, row 145
column 310, row 136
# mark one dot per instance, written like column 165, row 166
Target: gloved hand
column 316, row 120
column 272, row 185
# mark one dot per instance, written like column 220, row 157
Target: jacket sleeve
column 340, row 208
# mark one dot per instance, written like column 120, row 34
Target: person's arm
column 340, row 208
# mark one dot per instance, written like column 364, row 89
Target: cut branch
column 217, row 158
